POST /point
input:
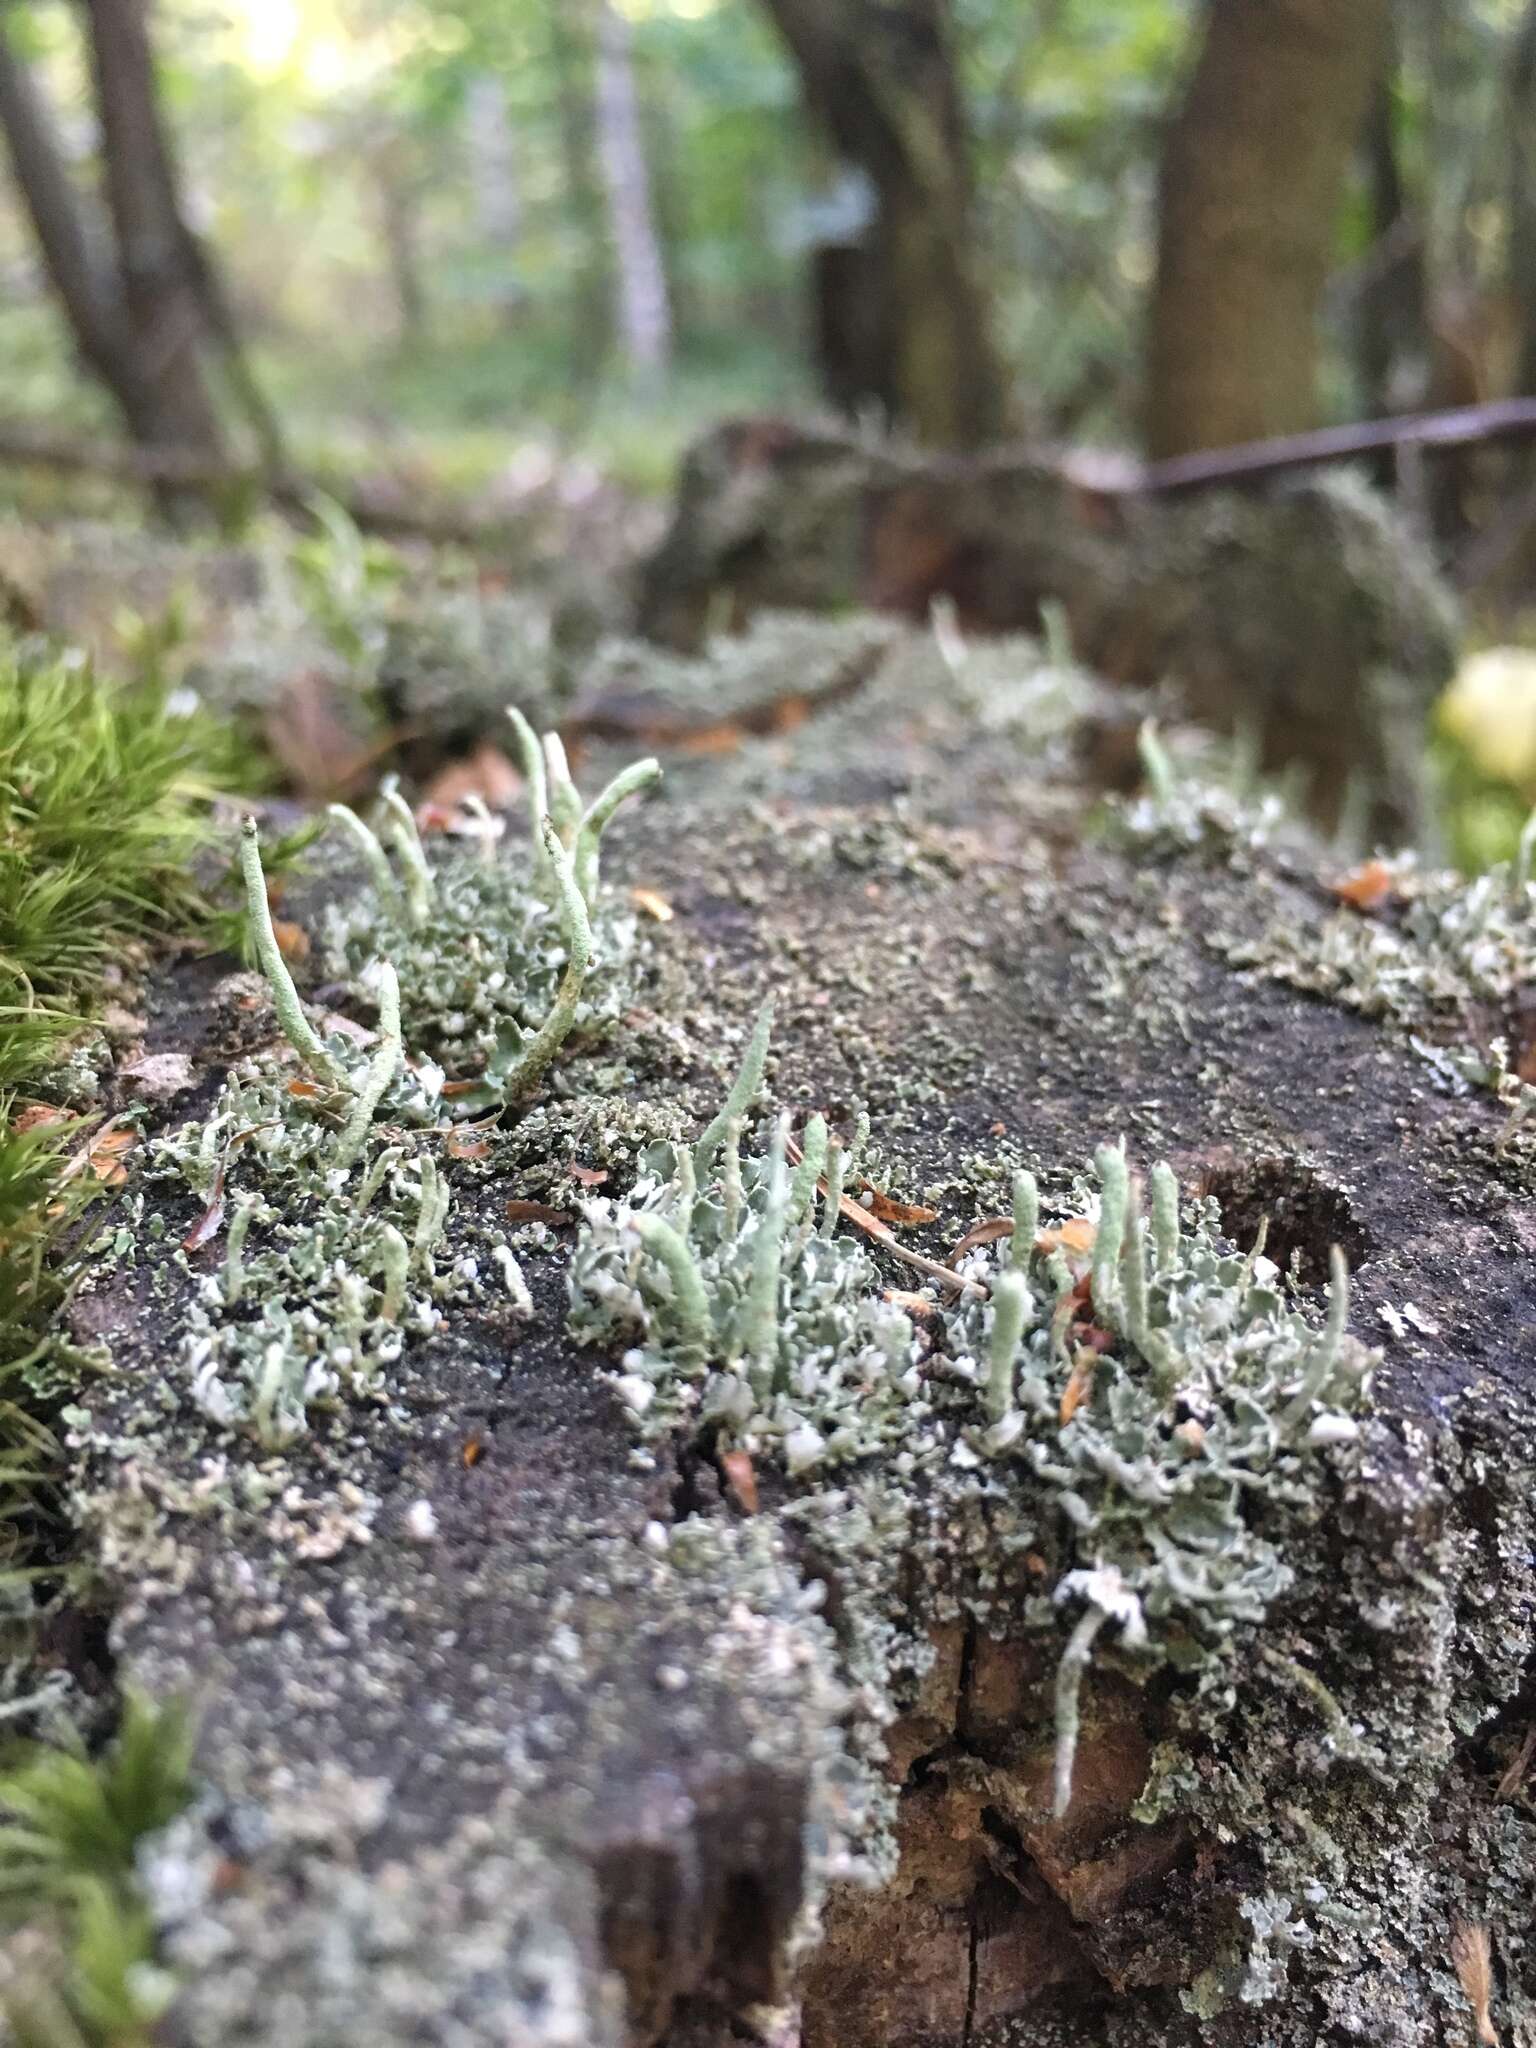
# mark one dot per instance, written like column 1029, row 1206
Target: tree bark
column 642, row 310
column 903, row 315
column 1253, row 171
column 159, row 286
column 77, row 266
column 1522, row 195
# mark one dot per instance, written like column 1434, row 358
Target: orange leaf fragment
column 589, row 1176
column 987, row 1231
column 918, row 1306
column 885, row 1210
column 104, row 1155
column 740, row 1479
column 1079, row 1383
column 306, row 1089
column 653, row 903
column 37, row 1114
column 473, row 1451
column 486, row 773
column 1368, row 887
column 462, row 1145
column 537, row 1212
column 292, row 939
column 1075, row 1235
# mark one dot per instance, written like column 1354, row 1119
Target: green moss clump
column 72, row 1828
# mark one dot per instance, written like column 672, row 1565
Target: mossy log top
column 519, row 1726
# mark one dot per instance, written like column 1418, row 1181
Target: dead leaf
column 1079, row 1383
column 1075, row 1235
column 211, row 1221
column 589, row 1176
column 653, row 904
column 885, row 1210
column 473, row 1451
column 1472, row 1955
column 919, row 1306
column 307, row 1090
column 37, row 1114
column 861, row 1219
column 1368, row 887
column 988, row 1231
column 740, row 1479
column 486, row 773
column 103, row 1156
column 292, row 939
column 537, row 1212
column 461, row 1145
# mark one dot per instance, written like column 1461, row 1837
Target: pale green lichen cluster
column 498, row 962
column 1214, row 810
column 748, row 1317
column 1446, row 960
column 1136, row 1399
column 335, row 1195
column 1153, row 1389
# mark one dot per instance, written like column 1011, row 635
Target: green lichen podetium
column 1196, row 1389
column 741, row 1316
column 499, row 960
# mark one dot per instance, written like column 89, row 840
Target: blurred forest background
column 512, row 255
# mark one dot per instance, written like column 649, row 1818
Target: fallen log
column 544, row 1702
column 1309, row 620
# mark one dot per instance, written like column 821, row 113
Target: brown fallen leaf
column 463, row 1145
column 311, row 735
column 34, row 1116
column 861, row 1219
column 292, row 939
column 1472, row 1956
column 473, row 1451
column 885, row 1210
column 1368, row 887
column 653, row 904
column 209, row 1224
column 589, row 1176
column 537, row 1212
column 919, row 1306
column 486, row 773
column 1079, row 1383
column 305, row 1089
column 740, row 1479
column 987, row 1231
column 103, row 1156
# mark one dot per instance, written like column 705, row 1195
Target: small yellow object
column 1491, row 708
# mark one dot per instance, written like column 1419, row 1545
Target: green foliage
column 97, row 829
column 71, row 1826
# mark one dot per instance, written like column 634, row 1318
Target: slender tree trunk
column 572, row 54
column 1253, row 172
column 643, row 311
column 159, row 286
column 1522, row 195
column 400, row 216
column 78, row 265
column 495, row 189
column 904, row 317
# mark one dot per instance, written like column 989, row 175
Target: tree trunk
column 77, row 266
column 400, row 217
column 495, row 188
column 1522, row 195
column 159, row 286
column 643, row 311
column 571, row 57
column 1252, row 176
column 903, row 315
